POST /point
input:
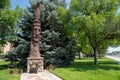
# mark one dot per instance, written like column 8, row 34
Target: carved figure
column 37, row 11
column 35, row 61
column 36, row 30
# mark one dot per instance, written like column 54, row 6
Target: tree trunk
column 95, row 56
column 79, row 55
column 99, row 51
column 99, row 56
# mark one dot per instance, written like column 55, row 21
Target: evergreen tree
column 55, row 46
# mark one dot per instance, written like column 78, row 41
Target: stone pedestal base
column 45, row 75
column 35, row 65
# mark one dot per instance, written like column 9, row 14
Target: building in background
column 5, row 48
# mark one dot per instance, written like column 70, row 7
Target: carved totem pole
column 35, row 61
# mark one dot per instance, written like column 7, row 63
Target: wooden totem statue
column 35, row 61
column 36, row 30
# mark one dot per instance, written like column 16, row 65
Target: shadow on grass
column 84, row 65
column 4, row 66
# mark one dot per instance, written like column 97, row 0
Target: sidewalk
column 114, row 58
column 45, row 75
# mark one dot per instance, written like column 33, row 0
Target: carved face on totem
column 36, row 33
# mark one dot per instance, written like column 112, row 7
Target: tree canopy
column 8, row 21
column 94, row 21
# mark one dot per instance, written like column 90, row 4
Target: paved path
column 117, row 58
column 45, row 75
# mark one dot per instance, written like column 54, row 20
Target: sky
column 24, row 3
column 21, row 3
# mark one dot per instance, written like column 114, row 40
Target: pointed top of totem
column 37, row 11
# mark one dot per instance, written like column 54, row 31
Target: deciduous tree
column 97, row 20
column 8, row 21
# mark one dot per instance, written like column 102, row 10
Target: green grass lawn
column 5, row 72
column 86, row 70
column 79, row 70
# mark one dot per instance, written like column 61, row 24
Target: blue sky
column 23, row 3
